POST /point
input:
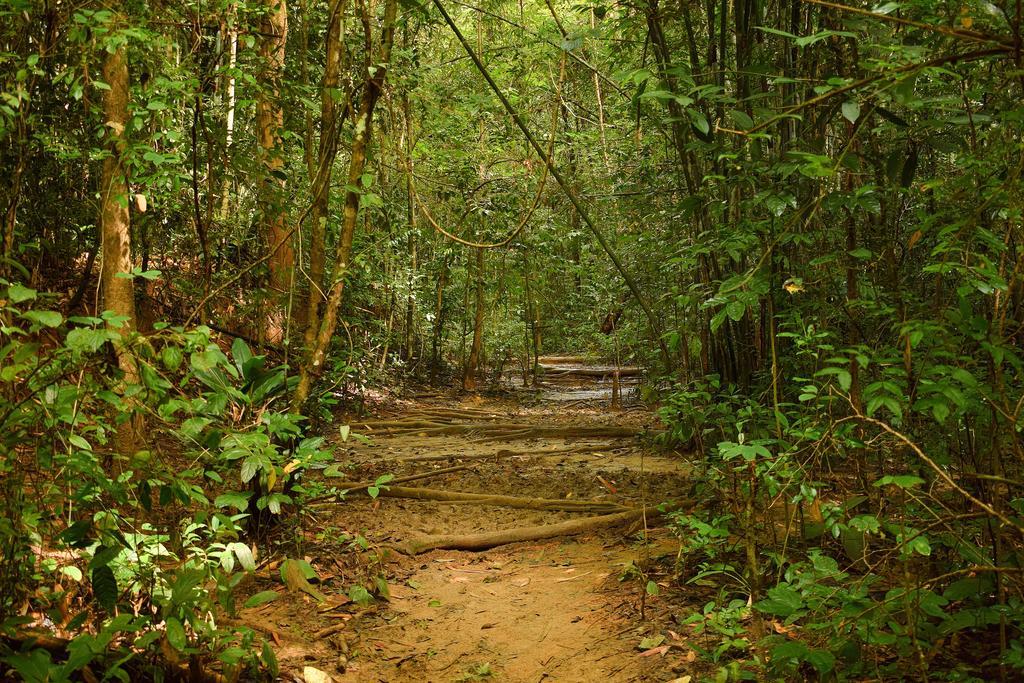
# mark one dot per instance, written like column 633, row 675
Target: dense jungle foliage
column 224, row 221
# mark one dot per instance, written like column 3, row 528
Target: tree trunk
column 532, row 319
column 229, row 123
column 469, row 374
column 410, row 301
column 435, row 351
column 115, row 232
column 331, row 119
column 269, row 123
column 376, row 70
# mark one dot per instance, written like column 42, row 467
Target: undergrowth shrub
column 848, row 532
column 134, row 558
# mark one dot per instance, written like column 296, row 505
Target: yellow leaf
column 140, row 203
column 291, row 572
column 793, row 286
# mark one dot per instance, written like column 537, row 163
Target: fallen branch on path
column 504, row 453
column 542, row 504
column 493, row 539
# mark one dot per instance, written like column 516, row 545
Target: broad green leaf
column 236, row 499
column 19, row 293
column 903, row 481
column 176, row 634
column 262, row 598
column 104, row 587
column 851, row 110
column 44, row 318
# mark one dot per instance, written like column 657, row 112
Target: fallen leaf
column 311, row 674
column 295, row 579
column 333, row 602
column 651, row 642
column 660, row 650
column 682, row 679
column 519, row 583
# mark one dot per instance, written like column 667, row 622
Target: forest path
column 563, row 609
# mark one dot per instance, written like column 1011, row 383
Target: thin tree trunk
column 330, row 121
column 376, row 70
column 270, row 124
column 410, row 302
column 118, row 293
column 533, row 318
column 435, row 351
column 229, row 125
column 469, row 374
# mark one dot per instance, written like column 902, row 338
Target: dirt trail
column 564, row 609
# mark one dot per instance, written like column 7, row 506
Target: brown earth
column 565, row 609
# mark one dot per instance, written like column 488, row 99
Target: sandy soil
column 566, row 609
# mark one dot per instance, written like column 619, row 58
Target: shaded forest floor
column 563, row 609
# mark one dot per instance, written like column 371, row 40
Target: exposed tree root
column 554, row 371
column 502, row 431
column 504, row 453
column 493, row 539
column 543, row 504
column 352, row 487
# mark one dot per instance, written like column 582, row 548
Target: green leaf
column 851, row 111
column 700, row 122
column 359, row 595
column 250, row 466
column 86, row 340
column 176, row 634
column 262, row 598
column 782, row 601
column 241, row 353
column 651, row 642
column 236, row 499
column 919, row 545
column 822, row 660
column 172, row 357
column 103, row 556
column 842, row 376
column 44, row 318
column 903, row 481
column 104, row 587
column 735, row 310
column 18, row 293
column 244, row 555
column 741, row 119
